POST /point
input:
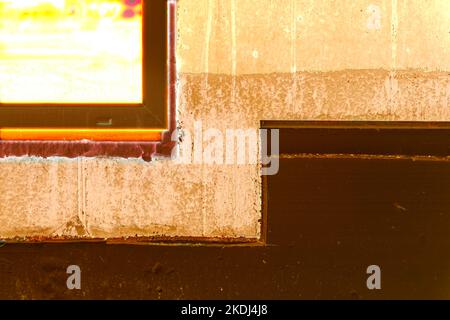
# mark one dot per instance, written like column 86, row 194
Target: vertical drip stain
column 393, row 90
column 293, row 37
column 233, row 40
column 394, row 33
column 208, row 36
column 293, row 54
column 81, row 193
column 233, row 81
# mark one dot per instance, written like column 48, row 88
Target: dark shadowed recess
column 329, row 215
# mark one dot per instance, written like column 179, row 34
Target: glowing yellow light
column 70, row 51
column 79, row 134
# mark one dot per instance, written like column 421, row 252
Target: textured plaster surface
column 240, row 62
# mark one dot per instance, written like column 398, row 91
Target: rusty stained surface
column 302, row 60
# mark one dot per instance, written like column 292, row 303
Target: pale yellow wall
column 241, row 61
column 264, row 36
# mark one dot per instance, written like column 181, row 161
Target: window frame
column 148, row 121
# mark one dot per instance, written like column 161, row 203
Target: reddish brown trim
column 165, row 147
column 73, row 149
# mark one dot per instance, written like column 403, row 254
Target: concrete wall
column 241, row 61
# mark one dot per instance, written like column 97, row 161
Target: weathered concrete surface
column 37, row 197
column 241, row 62
column 176, row 200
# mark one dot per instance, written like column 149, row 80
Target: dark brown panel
column 340, row 216
column 362, row 137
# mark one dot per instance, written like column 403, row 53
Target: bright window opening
column 71, row 51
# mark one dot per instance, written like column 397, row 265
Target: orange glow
column 78, row 134
column 70, row 51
